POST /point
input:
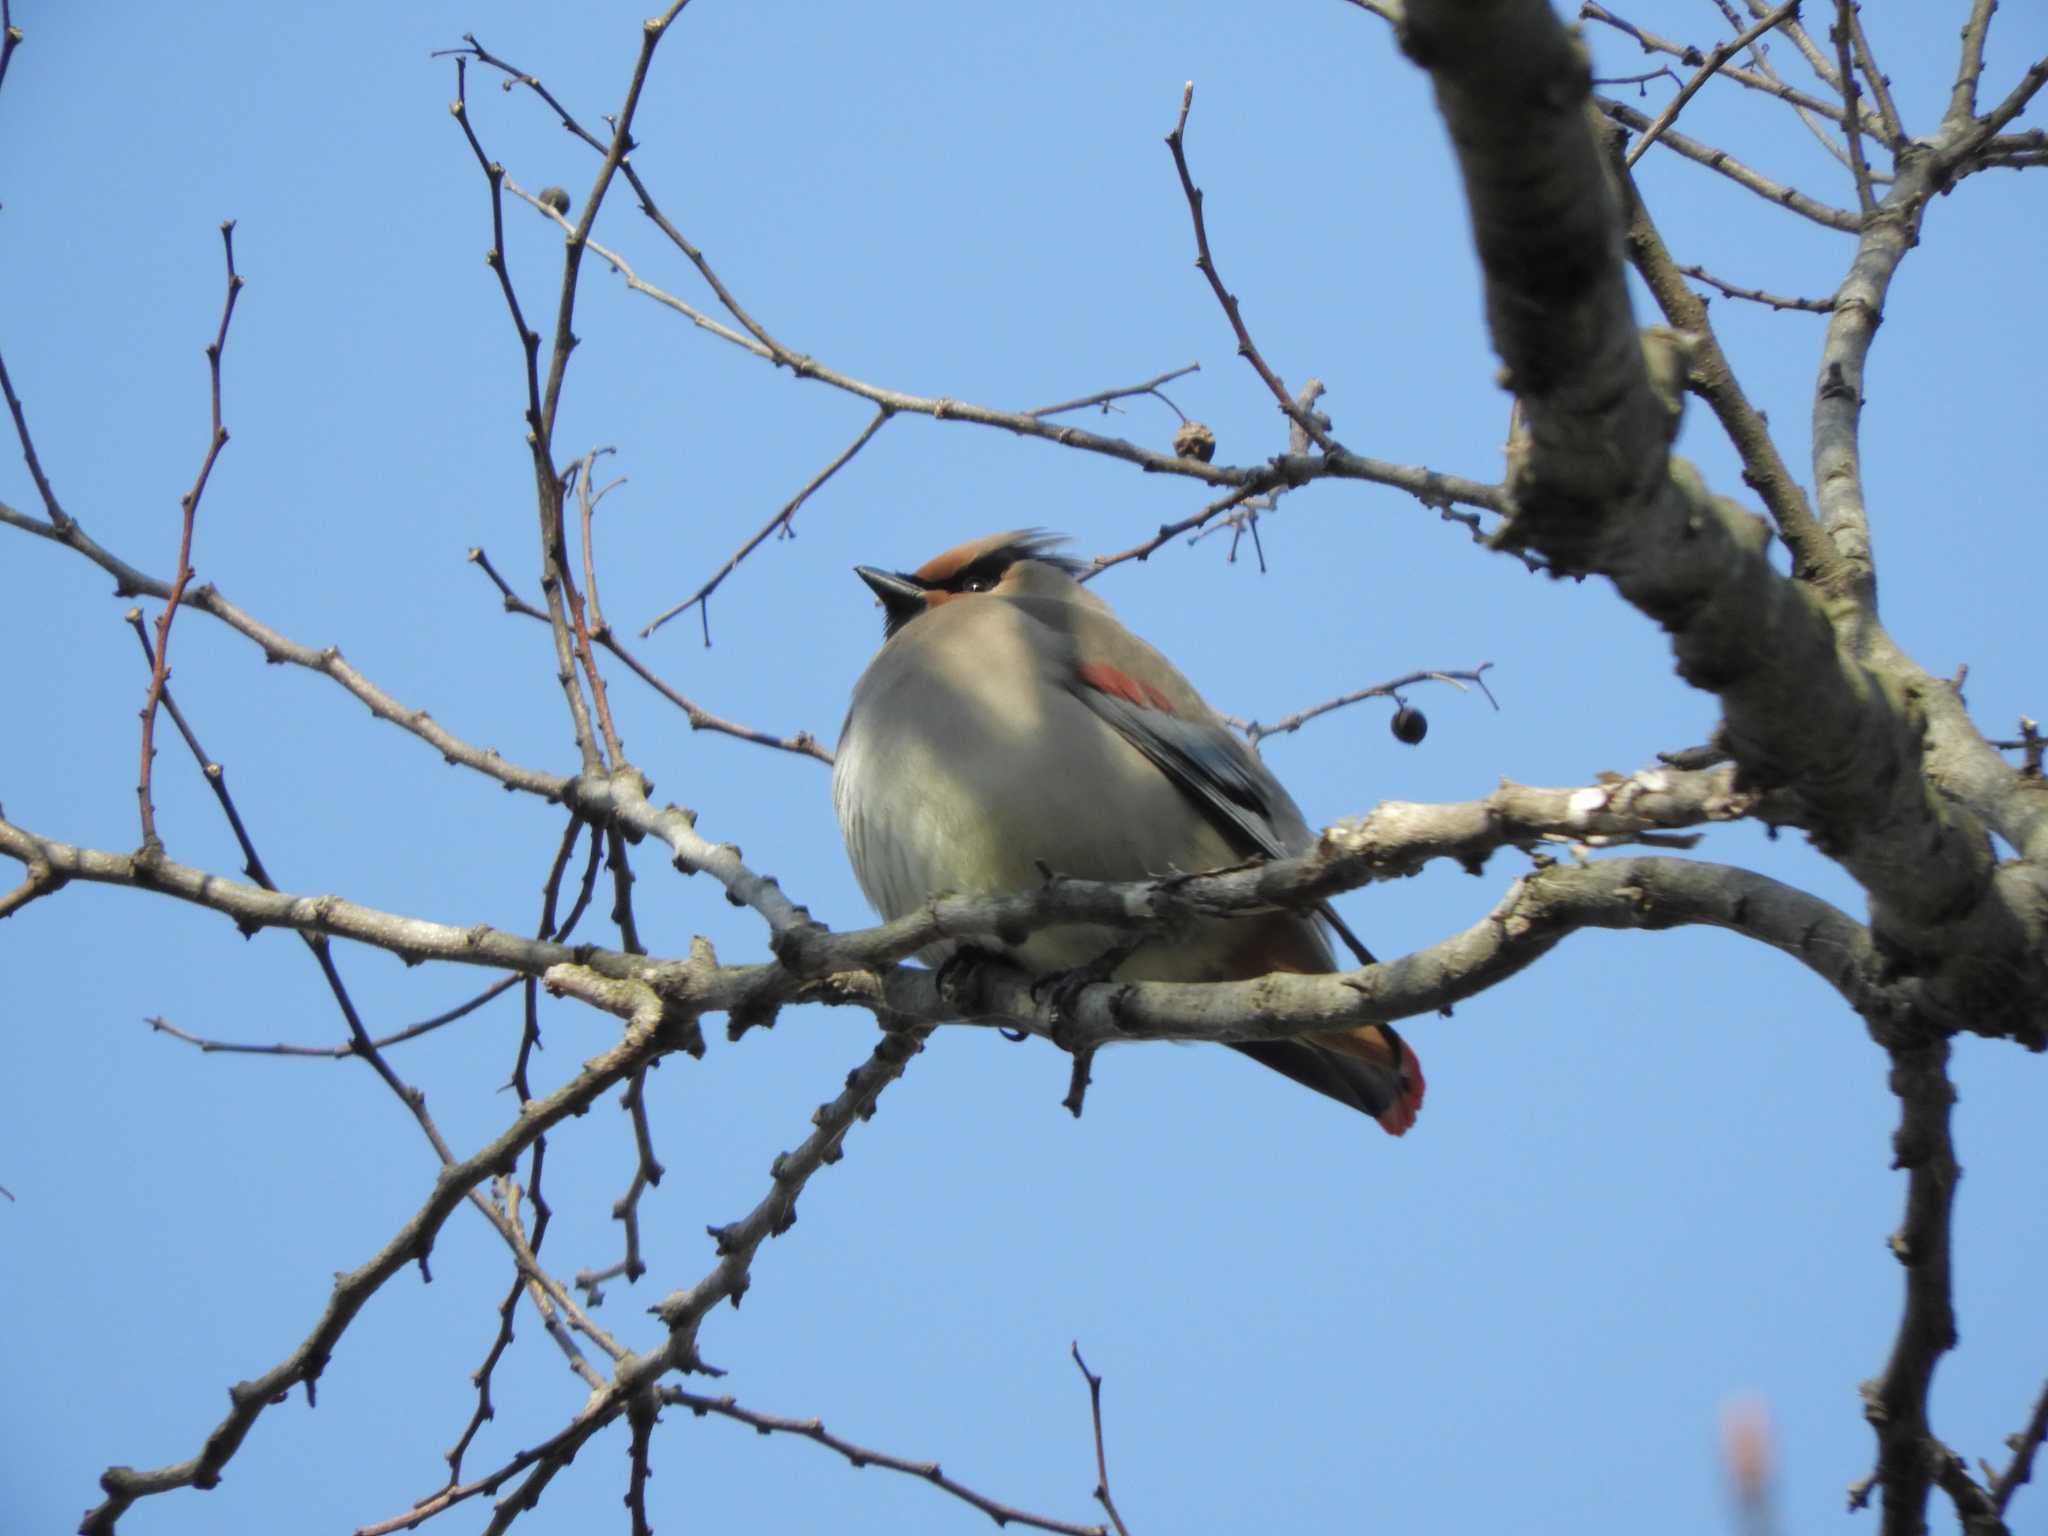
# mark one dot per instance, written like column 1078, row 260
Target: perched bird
column 1011, row 724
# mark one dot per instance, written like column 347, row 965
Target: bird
column 1010, row 724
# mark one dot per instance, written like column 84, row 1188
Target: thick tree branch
column 1593, row 492
column 1709, row 372
column 1538, row 912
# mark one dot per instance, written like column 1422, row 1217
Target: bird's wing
column 1200, row 756
column 1209, row 765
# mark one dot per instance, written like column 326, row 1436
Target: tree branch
column 651, row 1036
column 1722, row 53
column 1725, row 164
column 1277, row 473
column 1596, row 491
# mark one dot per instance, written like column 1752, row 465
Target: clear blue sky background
column 1652, row 1174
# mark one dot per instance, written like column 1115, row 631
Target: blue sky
column 1652, row 1175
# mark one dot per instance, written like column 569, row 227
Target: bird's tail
column 1370, row 1068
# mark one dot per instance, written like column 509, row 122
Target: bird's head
column 1014, row 564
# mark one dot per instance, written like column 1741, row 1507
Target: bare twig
column 2016, row 99
column 59, row 520
column 641, row 1416
column 1809, row 118
column 547, row 482
column 1104, row 397
column 217, row 439
column 1962, row 101
column 1763, row 79
column 1102, row 1494
column 1256, row 733
column 346, row 1048
column 1763, row 468
column 1246, row 348
column 1714, row 62
column 781, row 520
column 2020, row 1469
column 1719, row 160
column 587, row 499
column 857, row 1456
column 1167, row 531
column 1428, row 486
column 1858, row 166
column 647, row 1172
column 1896, row 1403
column 803, row 743
column 1757, row 295
column 1295, row 470
column 10, row 37
column 360, row 1044
column 352, row 1290
column 2031, row 742
column 1880, row 85
column 1809, row 50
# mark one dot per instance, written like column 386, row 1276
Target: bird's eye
column 978, row 584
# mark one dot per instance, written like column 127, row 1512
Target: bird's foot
column 1063, row 988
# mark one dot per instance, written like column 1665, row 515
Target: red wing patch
column 1104, row 678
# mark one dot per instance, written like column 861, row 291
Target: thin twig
column 640, row 1417
column 2031, row 742
column 1424, row 484
column 10, row 38
column 781, row 520
column 1858, row 166
column 1757, row 295
column 1256, row 733
column 1896, row 1403
column 2021, row 1469
column 647, row 1172
column 1715, row 60
column 803, row 743
column 1962, row 101
column 1167, row 531
column 587, row 500
column 2016, row 99
column 1763, row 79
column 548, row 483
column 1246, row 349
column 58, row 517
column 1104, row 397
column 347, row 1048
column 1880, row 86
column 1102, row 1494
column 1712, row 376
column 216, row 440
column 1725, row 164
column 858, row 1456
column 1815, row 59
column 1809, row 117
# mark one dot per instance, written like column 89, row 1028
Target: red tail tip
column 1397, row 1117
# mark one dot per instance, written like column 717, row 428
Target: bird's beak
column 903, row 598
